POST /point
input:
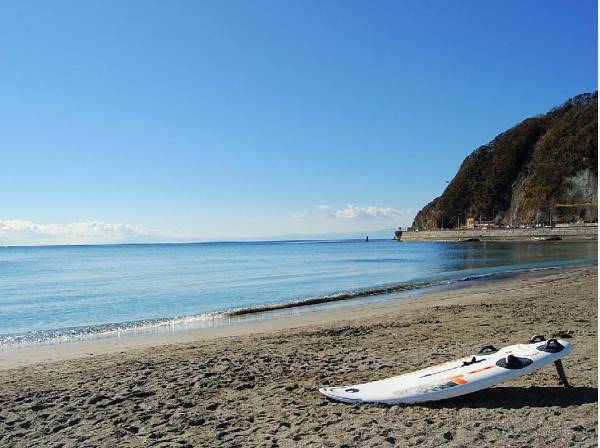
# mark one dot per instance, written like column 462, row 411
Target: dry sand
column 260, row 389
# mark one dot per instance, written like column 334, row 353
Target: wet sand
column 256, row 384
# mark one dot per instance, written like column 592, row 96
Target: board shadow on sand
column 520, row 397
column 514, row 398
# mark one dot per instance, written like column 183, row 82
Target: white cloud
column 20, row 231
column 326, row 210
column 354, row 212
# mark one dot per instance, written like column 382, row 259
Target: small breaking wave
column 353, row 294
column 110, row 330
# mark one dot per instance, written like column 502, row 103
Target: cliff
column 546, row 167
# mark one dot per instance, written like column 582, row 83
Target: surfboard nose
column 341, row 394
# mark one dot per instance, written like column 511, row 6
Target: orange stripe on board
column 458, row 379
column 480, row 370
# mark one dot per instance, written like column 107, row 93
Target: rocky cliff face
column 544, row 168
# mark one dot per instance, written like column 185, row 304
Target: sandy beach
column 256, row 384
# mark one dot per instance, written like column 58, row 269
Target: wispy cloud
column 21, row 231
column 326, row 210
column 354, row 212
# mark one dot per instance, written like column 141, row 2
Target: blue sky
column 222, row 119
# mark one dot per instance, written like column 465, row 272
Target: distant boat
column 367, row 240
column 547, row 238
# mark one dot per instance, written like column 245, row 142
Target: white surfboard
column 455, row 378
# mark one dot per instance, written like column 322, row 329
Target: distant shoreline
column 574, row 233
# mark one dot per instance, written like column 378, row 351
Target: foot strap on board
column 513, row 362
column 473, row 360
column 551, row 346
column 536, row 338
column 561, row 373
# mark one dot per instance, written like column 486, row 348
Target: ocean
column 58, row 294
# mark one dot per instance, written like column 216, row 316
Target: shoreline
column 461, row 292
column 213, row 319
column 235, row 316
column 138, row 306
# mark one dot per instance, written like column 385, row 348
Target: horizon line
column 164, row 243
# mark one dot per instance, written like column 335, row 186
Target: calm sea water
column 69, row 292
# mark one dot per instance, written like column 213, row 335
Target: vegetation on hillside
column 521, row 175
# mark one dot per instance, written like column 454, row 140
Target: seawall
column 581, row 232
